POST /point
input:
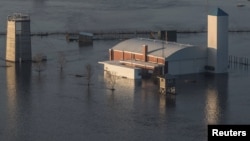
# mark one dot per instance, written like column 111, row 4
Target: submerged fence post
column 238, row 62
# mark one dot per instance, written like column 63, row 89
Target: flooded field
column 58, row 105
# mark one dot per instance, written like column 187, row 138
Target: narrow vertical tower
column 217, row 42
column 18, row 41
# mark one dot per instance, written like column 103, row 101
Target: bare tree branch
column 111, row 78
column 39, row 62
column 61, row 60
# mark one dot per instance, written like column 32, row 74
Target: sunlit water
column 59, row 106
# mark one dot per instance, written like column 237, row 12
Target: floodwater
column 58, row 106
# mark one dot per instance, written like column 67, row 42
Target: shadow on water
column 18, row 78
column 208, row 91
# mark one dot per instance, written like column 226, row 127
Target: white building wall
column 218, row 43
column 212, row 31
column 222, row 50
column 11, row 41
column 181, row 67
column 123, row 71
column 212, row 57
column 187, row 61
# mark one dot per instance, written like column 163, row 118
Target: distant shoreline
column 121, row 32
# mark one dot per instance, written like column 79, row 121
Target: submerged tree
column 89, row 72
column 111, row 78
column 61, row 60
column 39, row 62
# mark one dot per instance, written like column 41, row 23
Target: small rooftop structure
column 170, row 35
column 18, row 17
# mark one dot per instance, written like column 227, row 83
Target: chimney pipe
column 111, row 54
column 145, row 53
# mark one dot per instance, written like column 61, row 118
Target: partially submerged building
column 18, row 40
column 85, row 39
column 157, row 55
column 168, row 57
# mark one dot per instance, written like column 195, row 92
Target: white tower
column 217, row 42
column 18, row 41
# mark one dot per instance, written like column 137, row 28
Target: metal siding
column 189, row 53
column 186, row 66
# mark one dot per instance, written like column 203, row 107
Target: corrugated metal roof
column 157, row 48
column 218, row 12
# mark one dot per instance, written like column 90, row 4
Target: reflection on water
column 162, row 106
column 166, row 102
column 216, row 98
column 212, row 107
column 203, row 97
column 121, row 85
column 135, row 109
column 18, row 87
column 142, row 98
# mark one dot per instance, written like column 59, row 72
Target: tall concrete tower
column 18, row 41
column 217, row 42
